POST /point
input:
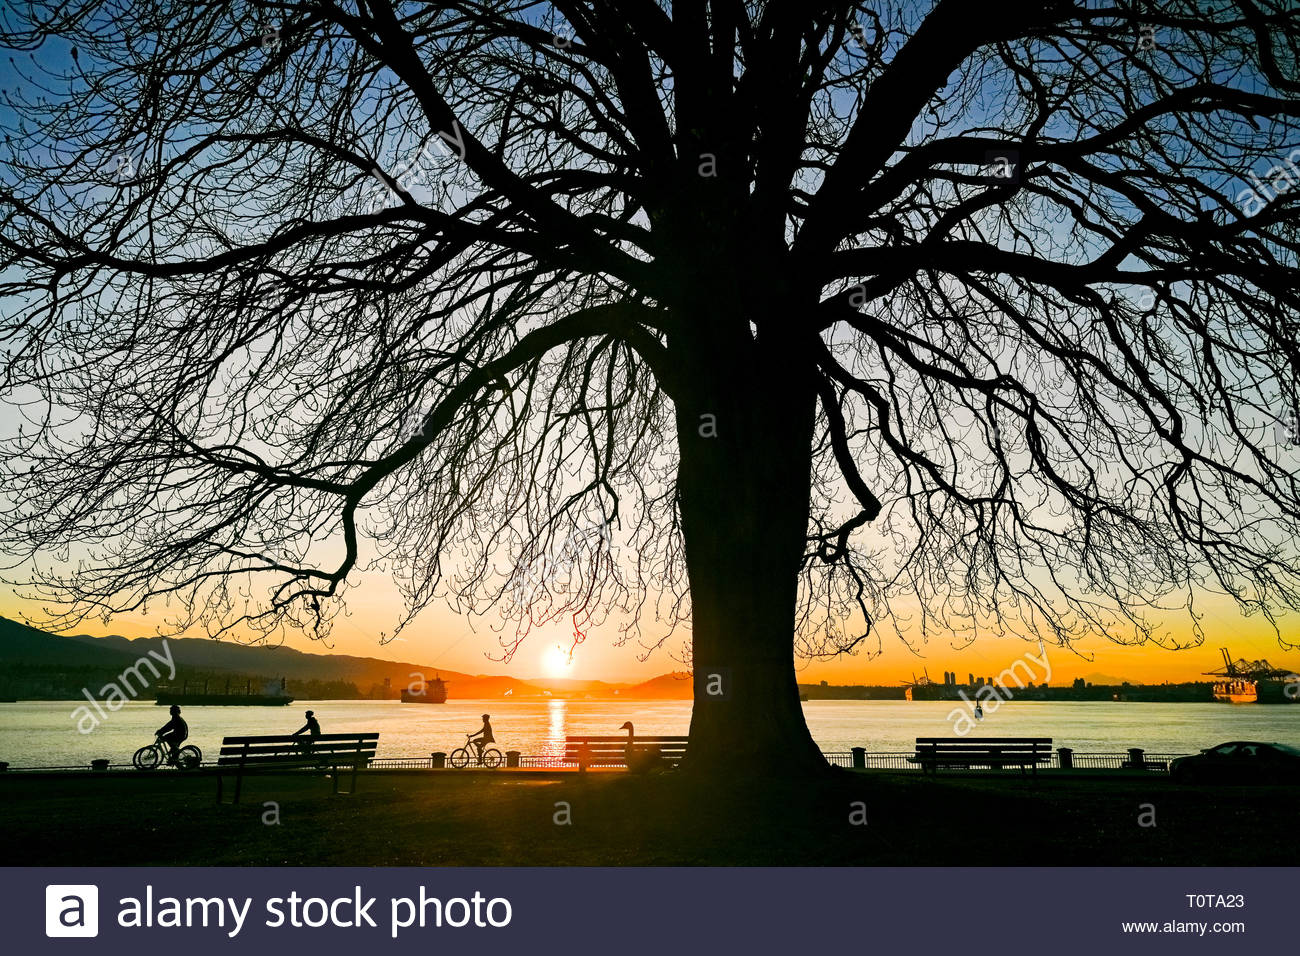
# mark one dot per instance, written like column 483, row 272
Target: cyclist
column 174, row 732
column 311, row 728
column 483, row 736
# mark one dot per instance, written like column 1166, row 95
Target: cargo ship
column 202, row 698
column 1254, row 682
column 427, row 692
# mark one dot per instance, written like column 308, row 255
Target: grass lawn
column 616, row 819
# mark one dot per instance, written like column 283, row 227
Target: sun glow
column 556, row 661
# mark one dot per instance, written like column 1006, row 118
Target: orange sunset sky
column 442, row 638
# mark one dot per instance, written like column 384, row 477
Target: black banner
column 644, row 910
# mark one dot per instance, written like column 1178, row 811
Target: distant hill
column 1103, row 680
column 22, row 644
column 29, row 647
column 202, row 653
column 674, row 686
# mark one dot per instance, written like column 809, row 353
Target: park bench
column 933, row 753
column 611, row 751
column 1137, row 760
column 332, row 752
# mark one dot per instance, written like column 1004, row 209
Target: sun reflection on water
column 556, row 712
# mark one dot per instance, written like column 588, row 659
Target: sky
column 441, row 638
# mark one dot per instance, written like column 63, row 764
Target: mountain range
column 27, row 648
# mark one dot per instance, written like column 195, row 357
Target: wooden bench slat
column 295, row 748
column 296, row 752
column 252, row 766
column 268, row 762
column 618, row 756
column 289, row 738
column 338, row 752
column 959, row 751
column 639, row 743
column 612, row 755
column 624, row 736
column 303, row 755
column 620, row 748
column 610, row 750
column 933, row 753
column 983, row 741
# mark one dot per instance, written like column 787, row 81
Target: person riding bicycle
column 174, row 732
column 311, row 728
column 483, row 736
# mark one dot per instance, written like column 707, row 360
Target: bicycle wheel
column 459, row 758
column 147, row 757
column 189, row 757
column 492, row 758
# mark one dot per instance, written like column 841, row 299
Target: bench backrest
column 1034, row 746
column 613, row 750
column 288, row 750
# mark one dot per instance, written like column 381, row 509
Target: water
column 44, row 733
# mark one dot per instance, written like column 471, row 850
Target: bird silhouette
column 640, row 759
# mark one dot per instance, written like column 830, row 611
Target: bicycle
column 150, row 756
column 488, row 757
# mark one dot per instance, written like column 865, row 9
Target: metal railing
column 898, row 760
column 1157, row 763
column 887, row 761
column 1153, row 762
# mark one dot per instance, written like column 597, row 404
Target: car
column 1239, row 761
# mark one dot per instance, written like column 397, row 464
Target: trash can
column 99, row 765
column 438, row 760
column 1065, row 758
column 1137, row 758
column 859, row 758
column 512, row 758
column 4, row 765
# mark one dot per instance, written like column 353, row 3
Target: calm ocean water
column 44, row 733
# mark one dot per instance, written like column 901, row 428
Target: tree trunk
column 745, row 433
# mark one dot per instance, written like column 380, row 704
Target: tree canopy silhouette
column 801, row 322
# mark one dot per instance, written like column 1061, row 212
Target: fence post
column 1137, row 758
column 438, row 760
column 512, row 758
column 859, row 758
column 1065, row 758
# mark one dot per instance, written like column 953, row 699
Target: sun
column 556, row 661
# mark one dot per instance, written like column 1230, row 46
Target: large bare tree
column 801, row 322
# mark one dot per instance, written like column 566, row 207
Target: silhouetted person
column 174, row 732
column 311, row 728
column 483, row 736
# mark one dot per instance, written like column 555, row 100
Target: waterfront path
column 541, row 818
